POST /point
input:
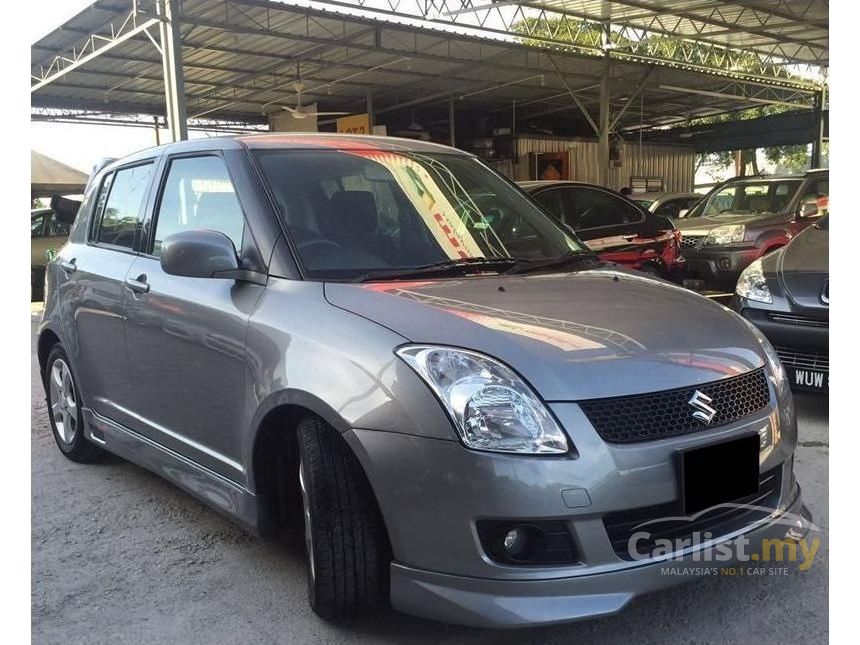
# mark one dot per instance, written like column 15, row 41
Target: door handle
column 138, row 285
column 69, row 267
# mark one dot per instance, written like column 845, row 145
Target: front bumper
column 803, row 344
column 432, row 492
column 503, row 604
column 719, row 265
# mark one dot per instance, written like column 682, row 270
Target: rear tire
column 65, row 408
column 345, row 538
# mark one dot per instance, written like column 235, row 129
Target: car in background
column 48, row 233
column 745, row 218
column 612, row 226
column 671, row 205
column 786, row 294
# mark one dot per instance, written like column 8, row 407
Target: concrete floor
column 121, row 556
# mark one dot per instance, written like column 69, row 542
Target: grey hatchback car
column 388, row 348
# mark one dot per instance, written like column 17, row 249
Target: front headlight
column 752, row 284
column 492, row 407
column 726, row 234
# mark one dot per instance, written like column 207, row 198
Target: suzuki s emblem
column 700, row 402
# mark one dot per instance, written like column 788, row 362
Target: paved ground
column 118, row 555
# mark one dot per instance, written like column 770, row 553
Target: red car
column 611, row 225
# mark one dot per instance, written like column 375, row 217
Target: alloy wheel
column 64, row 402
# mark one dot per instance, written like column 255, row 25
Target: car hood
column 802, row 268
column 573, row 336
column 703, row 225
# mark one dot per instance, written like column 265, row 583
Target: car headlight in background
column 492, row 408
column 752, row 284
column 726, row 234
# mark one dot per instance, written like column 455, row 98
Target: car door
column 605, row 221
column 91, row 271
column 186, row 336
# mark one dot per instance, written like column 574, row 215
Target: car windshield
column 362, row 214
column 748, row 198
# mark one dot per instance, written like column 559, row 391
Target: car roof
column 287, row 141
column 534, row 184
column 664, row 196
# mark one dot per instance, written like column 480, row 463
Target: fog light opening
column 513, row 542
column 725, row 263
column 523, row 543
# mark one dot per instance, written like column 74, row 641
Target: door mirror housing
column 683, row 213
column 808, row 209
column 199, row 254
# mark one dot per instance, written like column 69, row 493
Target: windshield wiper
column 460, row 266
column 527, row 266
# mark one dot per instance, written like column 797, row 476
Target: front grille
column 691, row 241
column 804, row 321
column 718, row 521
column 643, row 417
column 809, row 359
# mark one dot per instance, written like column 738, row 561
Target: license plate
column 808, row 379
column 721, row 472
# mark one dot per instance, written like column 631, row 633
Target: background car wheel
column 65, row 408
column 345, row 539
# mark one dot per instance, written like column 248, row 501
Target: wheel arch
column 47, row 339
column 273, row 456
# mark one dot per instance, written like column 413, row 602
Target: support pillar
column 603, row 121
column 451, row 136
column 174, row 80
column 370, row 115
column 603, row 126
column 818, row 141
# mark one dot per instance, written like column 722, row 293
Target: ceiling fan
column 300, row 111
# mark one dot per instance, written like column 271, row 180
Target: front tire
column 65, row 409
column 345, row 538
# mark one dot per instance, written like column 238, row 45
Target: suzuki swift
column 389, row 348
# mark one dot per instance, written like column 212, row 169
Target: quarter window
column 198, row 194
column 121, row 205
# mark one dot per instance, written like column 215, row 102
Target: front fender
column 304, row 351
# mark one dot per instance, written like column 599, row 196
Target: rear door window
column 120, row 204
column 553, row 202
column 587, row 208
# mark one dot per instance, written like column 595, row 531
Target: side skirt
column 225, row 496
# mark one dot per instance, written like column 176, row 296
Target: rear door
column 92, row 272
column 186, row 336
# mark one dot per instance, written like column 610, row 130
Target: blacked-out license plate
column 721, row 472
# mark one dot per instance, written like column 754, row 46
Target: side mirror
column 683, row 213
column 808, row 209
column 199, row 254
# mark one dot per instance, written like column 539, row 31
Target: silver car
column 387, row 346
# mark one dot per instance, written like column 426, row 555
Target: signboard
column 354, row 124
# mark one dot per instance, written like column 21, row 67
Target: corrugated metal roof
column 794, row 30
column 243, row 57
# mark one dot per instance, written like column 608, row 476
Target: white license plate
column 810, row 379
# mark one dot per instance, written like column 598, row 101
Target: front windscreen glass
column 748, row 198
column 357, row 213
